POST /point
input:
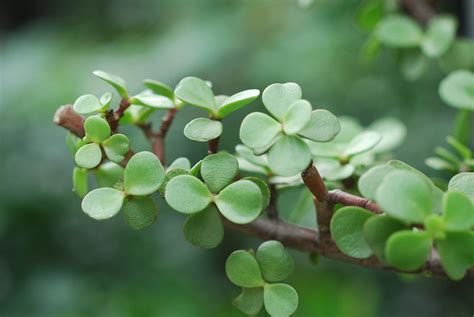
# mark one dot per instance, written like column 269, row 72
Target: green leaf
column 87, row 104
column 263, row 189
column 323, row 126
column 378, row 229
column 153, row 101
column 456, row 254
column 464, row 183
column 413, row 64
column 182, row 163
column 97, row 129
column 398, row 31
column 203, row 129
column 73, row 143
column 116, row 146
column 362, row 142
column 339, row 172
column 108, row 174
column 347, row 229
column 371, row 180
column 79, row 181
column 187, row 194
column 218, row 170
column 204, row 229
column 350, row 127
column 458, row 211
column 250, row 301
column 242, row 269
column 457, row 89
column 463, row 126
column 275, row 262
column 240, row 202
column 115, row 81
column 289, row 156
column 369, row 14
column 406, row 196
column 459, row 56
column 196, row 169
column 143, row 174
column 439, row 36
column 408, row 250
column 159, row 88
column 88, row 156
column 460, row 148
column 169, row 175
column 196, row 92
column 237, row 101
column 280, row 300
column 440, row 164
column 140, row 212
column 259, row 130
column 102, row 203
column 277, row 98
column 246, row 153
column 297, row 117
column 105, row 100
column 393, row 133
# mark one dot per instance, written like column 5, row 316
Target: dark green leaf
column 378, row 229
column 242, row 269
column 458, row 211
column 275, row 262
column 218, row 170
column 408, row 250
column 140, row 212
column 250, row 301
column 456, row 253
column 204, row 229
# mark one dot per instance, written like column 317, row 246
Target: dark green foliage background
column 55, row 261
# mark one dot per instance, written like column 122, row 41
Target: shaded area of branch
column 213, row 145
column 339, row 197
column 420, row 10
column 272, row 210
column 113, row 117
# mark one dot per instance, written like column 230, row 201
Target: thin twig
column 213, row 145
column 272, row 210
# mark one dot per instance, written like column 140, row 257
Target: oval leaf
column 203, row 129
column 280, row 299
column 458, row 212
column 362, row 142
column 250, row 301
column 218, row 170
column 182, row 163
column 297, row 117
column 240, row 202
column 393, row 133
column 277, row 98
column 109, row 174
column 116, row 147
column 371, row 180
column 323, row 126
column 152, row 101
column 204, row 229
column 143, row 174
column 464, row 183
column 398, row 31
column 258, row 130
column 275, row 262
column 378, row 229
column 115, row 81
column 103, row 203
column 456, row 253
column 457, row 89
column 408, row 250
column 88, row 156
column 140, row 212
column 187, row 194
column 289, row 156
column 237, row 101
column 97, row 129
column 87, row 104
column 263, row 189
column 196, row 92
column 242, row 269
column 159, row 88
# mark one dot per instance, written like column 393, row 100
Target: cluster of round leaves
column 217, row 194
column 417, row 216
column 283, row 134
column 196, row 92
column 260, row 274
column 356, row 148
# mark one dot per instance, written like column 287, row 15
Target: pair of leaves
column 196, row 92
column 87, row 104
column 271, row 263
column 143, row 175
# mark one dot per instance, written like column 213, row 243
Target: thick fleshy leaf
column 464, row 183
column 247, row 154
column 280, row 300
column 79, row 181
column 108, row 174
column 263, row 189
column 87, row 104
column 196, row 169
column 439, row 36
column 243, row 270
column 105, row 100
column 297, row 207
column 115, row 81
column 277, row 98
column 406, row 196
column 398, row 31
column 159, row 88
column 297, row 117
column 456, row 253
column 408, row 250
column 250, row 301
column 458, row 212
column 350, row 127
column 143, row 174
column 152, row 101
column 116, row 147
column 97, row 129
column 339, row 172
column 196, row 92
column 393, row 133
column 103, row 203
column 187, row 194
column 240, row 202
column 457, row 89
column 362, row 142
column 378, row 229
column 170, row 174
column 203, row 129
column 218, row 170
column 275, row 262
column 73, row 143
column 371, row 180
column 322, row 127
column 258, row 130
column 140, row 212
column 289, row 156
column 237, row 101
column 347, row 229
column 88, row 156
column 180, row 162
column 204, row 229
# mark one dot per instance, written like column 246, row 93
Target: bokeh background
column 55, row 261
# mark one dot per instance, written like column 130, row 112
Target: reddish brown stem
column 213, row 146
column 339, row 197
column 420, row 10
column 67, row 118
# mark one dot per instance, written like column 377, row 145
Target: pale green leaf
column 362, row 142
column 152, row 101
column 259, row 130
column 203, row 129
column 97, row 129
column 204, row 229
column 237, row 101
column 187, row 194
column 457, row 89
column 289, row 156
column 196, row 92
column 459, row 56
column 323, row 126
column 439, row 35
column 398, row 31
column 103, row 203
column 116, row 146
column 247, row 154
column 275, row 262
column 180, row 162
column 79, row 181
column 105, row 100
column 371, row 180
column 243, row 270
column 240, row 202
column 464, row 183
column 143, row 174
column 263, row 189
column 115, row 81
column 140, row 212
column 297, row 117
column 280, row 300
column 88, row 156
column 108, row 174
column 393, row 133
column 87, row 104
column 277, row 98
column 159, row 88
column 218, row 170
column 250, row 301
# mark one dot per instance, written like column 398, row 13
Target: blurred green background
column 55, row 261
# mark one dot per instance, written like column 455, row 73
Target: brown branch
column 339, row 197
column 420, row 10
column 67, row 118
column 213, row 145
column 113, row 117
